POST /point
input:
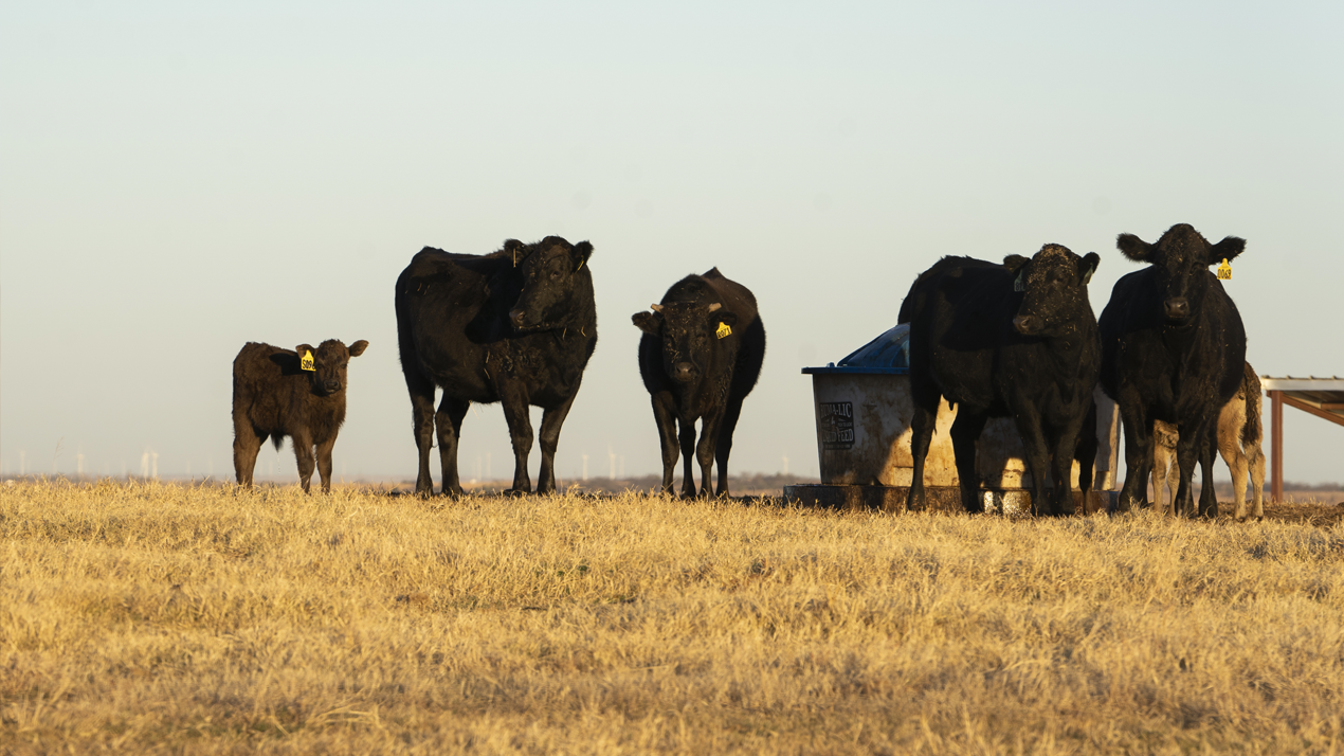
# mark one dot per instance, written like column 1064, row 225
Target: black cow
column 515, row 326
column 700, row 356
column 300, row 394
column 1173, row 349
column 1017, row 339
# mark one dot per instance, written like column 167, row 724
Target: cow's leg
column 1165, row 473
column 303, row 454
column 516, row 407
column 688, row 457
column 1192, row 436
column 1138, row 453
column 1037, row 450
column 921, row 436
column 422, row 419
column 1257, row 465
column 448, row 423
column 1208, row 497
column 1085, row 451
column 724, row 447
column 705, row 450
column 246, row 444
column 551, row 420
column 665, row 415
column 965, row 433
column 324, row 462
column 1172, row 482
column 1061, row 466
column 1229, row 446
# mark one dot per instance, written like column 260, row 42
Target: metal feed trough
column 864, row 409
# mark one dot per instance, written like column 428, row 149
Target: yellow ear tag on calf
column 306, row 362
column 1225, row 271
column 724, row 331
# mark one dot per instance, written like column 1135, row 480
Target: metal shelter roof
column 1322, row 397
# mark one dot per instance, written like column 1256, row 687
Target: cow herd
column 1018, row 340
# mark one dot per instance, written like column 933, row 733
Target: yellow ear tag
column 306, row 362
column 724, row 331
column 1225, row 271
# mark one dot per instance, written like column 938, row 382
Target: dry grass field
column 147, row 618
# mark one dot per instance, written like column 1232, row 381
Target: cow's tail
column 1251, row 432
column 276, row 439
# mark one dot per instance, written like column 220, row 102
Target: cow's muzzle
column 1177, row 308
column 518, row 319
column 1028, row 325
column 684, row 372
column 331, row 387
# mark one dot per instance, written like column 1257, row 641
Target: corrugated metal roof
column 1323, row 397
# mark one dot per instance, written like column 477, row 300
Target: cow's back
column 448, row 308
column 957, row 312
column 751, row 352
column 267, row 381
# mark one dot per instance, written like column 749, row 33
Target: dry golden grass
column 152, row 618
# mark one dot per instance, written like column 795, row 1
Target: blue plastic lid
column 888, row 354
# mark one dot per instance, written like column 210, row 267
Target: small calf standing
column 1239, row 437
column 300, row 394
column 700, row 356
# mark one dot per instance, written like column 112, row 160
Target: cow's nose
column 1178, row 308
column 684, row 371
column 331, row 386
column 1026, row 324
column 516, row 317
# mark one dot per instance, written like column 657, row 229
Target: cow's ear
column 306, row 350
column 582, row 251
column 1017, row 264
column 1226, row 249
column 357, row 348
column 1134, row 248
column 513, row 248
column 724, row 316
column 1088, row 266
column 648, row 322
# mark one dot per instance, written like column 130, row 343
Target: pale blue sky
column 178, row 179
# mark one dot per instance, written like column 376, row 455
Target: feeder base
column 937, row 498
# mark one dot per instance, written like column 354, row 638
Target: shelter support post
column 1276, row 448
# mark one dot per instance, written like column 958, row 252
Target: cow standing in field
column 1239, row 435
column 300, row 394
column 1173, row 349
column 515, row 326
column 700, row 356
column 1018, row 340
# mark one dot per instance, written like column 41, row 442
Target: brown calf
column 301, row 394
column 1239, row 436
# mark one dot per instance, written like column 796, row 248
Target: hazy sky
column 179, row 178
